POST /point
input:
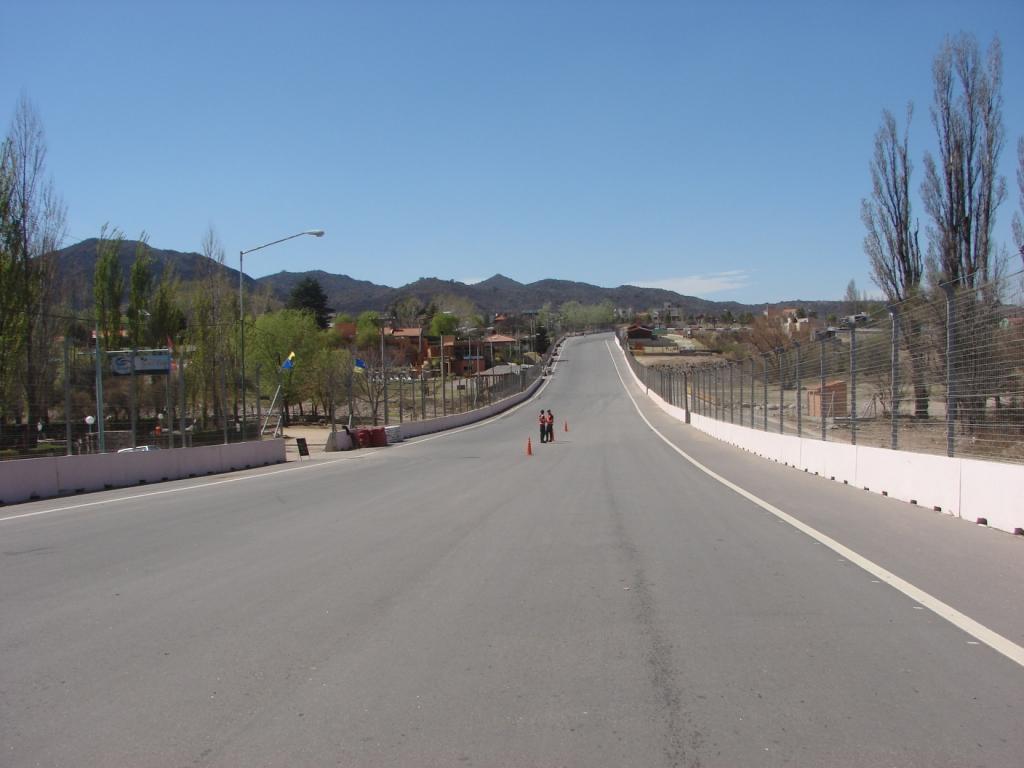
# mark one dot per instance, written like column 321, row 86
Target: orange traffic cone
column 529, row 447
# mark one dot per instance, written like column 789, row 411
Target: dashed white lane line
column 960, row 620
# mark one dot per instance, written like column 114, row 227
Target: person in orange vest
column 549, row 426
column 543, row 422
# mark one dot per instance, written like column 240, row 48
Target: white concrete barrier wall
column 453, row 420
column 25, row 479
column 966, row 488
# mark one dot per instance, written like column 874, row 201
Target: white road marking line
column 273, row 472
column 960, row 620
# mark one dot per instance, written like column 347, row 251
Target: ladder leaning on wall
column 273, row 414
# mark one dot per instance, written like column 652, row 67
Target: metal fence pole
column 732, row 411
column 259, row 405
column 223, row 403
column 764, row 358
column 799, row 412
column 950, row 383
column 101, row 438
column 821, row 392
column 782, row 389
column 698, row 390
column 134, row 405
column 67, row 394
column 853, row 384
column 716, row 382
column 752, row 395
column 894, row 380
column 181, row 397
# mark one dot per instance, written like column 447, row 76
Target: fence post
column 686, row 395
column 732, row 411
column 782, row 389
column 698, row 390
column 259, row 405
column 67, row 394
column 708, row 402
column 101, row 439
column 894, row 380
column 168, row 422
column 720, row 391
column 752, row 395
column 181, row 398
column 799, row 413
column 715, row 384
column 223, row 403
column 853, row 383
column 764, row 360
column 703, row 391
column 821, row 391
column 948, row 288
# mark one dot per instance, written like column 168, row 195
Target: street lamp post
column 241, row 307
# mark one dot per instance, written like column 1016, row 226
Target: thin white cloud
column 701, row 285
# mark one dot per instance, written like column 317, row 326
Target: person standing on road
column 549, row 426
column 543, row 422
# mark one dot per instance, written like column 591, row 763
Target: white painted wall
column 965, row 488
column 24, row 479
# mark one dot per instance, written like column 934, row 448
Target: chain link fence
column 937, row 374
column 171, row 397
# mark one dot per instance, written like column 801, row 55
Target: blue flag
column 289, row 362
column 360, row 365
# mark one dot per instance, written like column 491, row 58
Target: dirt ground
column 316, row 439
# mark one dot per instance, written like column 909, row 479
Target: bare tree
column 1018, row 217
column 962, row 191
column 35, row 228
column 891, row 243
column 962, row 188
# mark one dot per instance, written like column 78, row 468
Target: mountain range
column 76, row 264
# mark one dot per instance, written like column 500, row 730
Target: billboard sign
column 147, row 364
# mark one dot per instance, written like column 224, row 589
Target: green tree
column 368, row 330
column 443, row 324
column 272, row 338
column 13, row 318
column 330, row 375
column 108, row 287
column 167, row 321
column 308, row 295
column 213, row 335
column 140, row 289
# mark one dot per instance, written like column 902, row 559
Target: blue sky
column 718, row 149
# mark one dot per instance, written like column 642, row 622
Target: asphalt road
column 455, row 602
